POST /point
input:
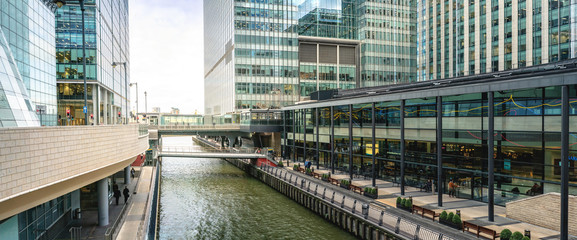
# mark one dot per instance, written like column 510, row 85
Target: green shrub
column 309, row 171
column 280, row 164
column 403, row 202
column 409, row 204
column 526, row 238
column 367, row 190
column 506, row 234
column 450, row 217
column 399, row 200
column 295, row 167
column 517, row 236
column 457, row 219
column 443, row 215
column 345, row 182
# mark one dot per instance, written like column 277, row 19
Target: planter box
column 325, row 179
column 399, row 206
column 451, row 224
column 375, row 196
column 345, row 187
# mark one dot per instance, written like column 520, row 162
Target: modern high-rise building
column 460, row 38
column 106, row 34
column 28, row 78
column 274, row 53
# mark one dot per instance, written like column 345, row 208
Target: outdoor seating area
column 423, row 211
column 476, row 229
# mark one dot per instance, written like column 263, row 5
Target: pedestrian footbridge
column 203, row 152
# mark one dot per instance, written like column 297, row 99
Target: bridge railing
column 190, row 149
column 204, row 127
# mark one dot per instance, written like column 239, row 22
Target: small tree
column 399, row 200
column 506, row 234
column 517, row 236
column 443, row 216
column 450, row 217
column 403, row 202
column 457, row 219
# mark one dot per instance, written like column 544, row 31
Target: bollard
column 290, row 179
column 333, row 198
column 303, row 183
column 309, row 187
column 354, row 206
column 365, row 208
column 381, row 218
column 343, row 202
column 417, row 232
column 324, row 191
column 285, row 175
column 528, row 233
column 316, row 189
column 397, row 228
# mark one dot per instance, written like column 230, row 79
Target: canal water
column 212, row 199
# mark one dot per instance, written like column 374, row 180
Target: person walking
column 132, row 172
column 116, row 195
column 451, row 188
column 126, row 194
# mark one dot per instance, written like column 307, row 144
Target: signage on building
column 369, row 149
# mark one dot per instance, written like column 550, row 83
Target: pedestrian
column 126, row 194
column 116, row 195
column 451, row 188
column 132, row 172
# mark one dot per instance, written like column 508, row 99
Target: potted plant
column 371, row 192
column 345, row 184
column 506, row 234
column 325, row 177
column 309, row 172
column 451, row 220
column 443, row 216
column 409, row 205
column 517, row 236
column 296, row 167
column 280, row 164
column 399, row 200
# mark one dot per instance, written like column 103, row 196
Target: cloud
column 166, row 46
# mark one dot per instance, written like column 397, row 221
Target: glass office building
column 269, row 54
column 465, row 38
column 527, row 135
column 106, row 34
column 28, row 28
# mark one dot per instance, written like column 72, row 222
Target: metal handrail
column 387, row 220
column 193, row 127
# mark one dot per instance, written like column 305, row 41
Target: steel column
column 304, row 117
column 402, row 182
column 332, row 140
column 564, row 163
column 490, row 157
column 318, row 142
column 374, row 143
column 351, row 142
column 440, row 150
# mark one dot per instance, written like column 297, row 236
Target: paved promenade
column 473, row 211
column 132, row 225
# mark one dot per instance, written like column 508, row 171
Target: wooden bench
column 316, row 175
column 356, row 189
column 492, row 233
column 424, row 211
column 474, row 228
column 333, row 181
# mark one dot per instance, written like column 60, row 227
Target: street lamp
column 85, row 109
column 114, row 64
column 145, row 105
column 136, row 99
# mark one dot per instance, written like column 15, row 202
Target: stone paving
column 471, row 210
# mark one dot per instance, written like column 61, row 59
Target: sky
column 166, row 54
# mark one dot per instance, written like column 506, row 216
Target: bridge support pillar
column 127, row 175
column 102, row 192
column 230, row 141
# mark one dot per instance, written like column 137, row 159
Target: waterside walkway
column 471, row 210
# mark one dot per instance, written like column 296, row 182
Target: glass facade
column 28, row 28
column 15, row 106
column 526, row 143
column 466, row 38
column 269, row 54
column 106, row 34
